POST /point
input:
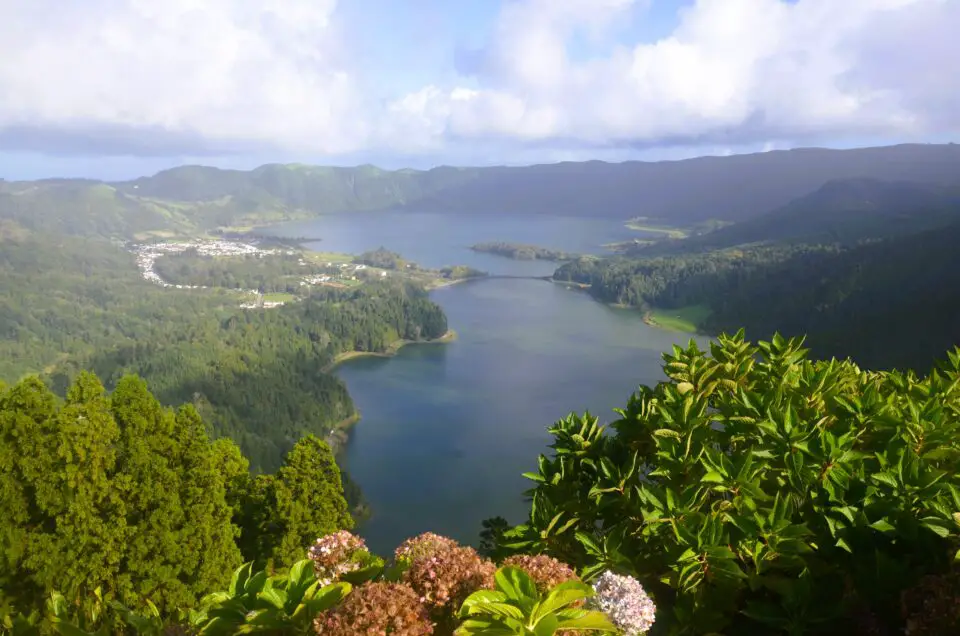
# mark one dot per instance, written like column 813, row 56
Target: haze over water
column 447, row 430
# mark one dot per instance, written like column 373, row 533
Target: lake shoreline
column 392, row 349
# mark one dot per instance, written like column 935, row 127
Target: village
column 339, row 274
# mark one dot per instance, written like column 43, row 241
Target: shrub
column 337, row 554
column 442, row 581
column 377, row 608
column 517, row 607
column 424, row 545
column 545, row 571
column 758, row 491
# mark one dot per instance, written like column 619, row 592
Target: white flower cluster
column 334, row 555
column 625, row 603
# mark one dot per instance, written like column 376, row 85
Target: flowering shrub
column 625, row 602
column 545, row 571
column 337, row 554
column 759, row 490
column 517, row 607
column 425, row 545
column 377, row 608
column 444, row 580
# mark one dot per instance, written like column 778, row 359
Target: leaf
column 255, row 583
column 713, row 477
column 517, row 585
column 561, row 596
column 301, row 572
column 882, row 525
column 593, row 621
column 273, row 597
column 239, row 579
column 486, row 627
column 66, row 628
column 328, row 596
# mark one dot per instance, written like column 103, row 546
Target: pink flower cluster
column 423, row 546
column 625, row 603
column 336, row 554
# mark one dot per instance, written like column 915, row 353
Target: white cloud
column 739, row 70
column 256, row 74
column 252, row 70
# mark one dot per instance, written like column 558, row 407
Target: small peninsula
column 523, row 252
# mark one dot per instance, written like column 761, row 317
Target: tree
column 306, row 497
column 115, row 494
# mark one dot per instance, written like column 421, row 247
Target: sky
column 120, row 88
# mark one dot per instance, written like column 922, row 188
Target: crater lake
column 446, row 430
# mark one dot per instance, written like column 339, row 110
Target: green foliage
column 258, row 377
column 382, row 258
column 256, row 603
column 305, row 501
column 113, row 494
column 268, row 274
column 458, row 272
column 761, row 492
column 843, row 298
column 515, row 607
column 523, row 252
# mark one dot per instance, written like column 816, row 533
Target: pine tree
column 306, row 499
column 112, row 493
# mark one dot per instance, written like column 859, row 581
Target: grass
column 328, row 257
column 641, row 224
column 687, row 319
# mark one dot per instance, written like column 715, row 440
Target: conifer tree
column 111, row 493
column 307, row 500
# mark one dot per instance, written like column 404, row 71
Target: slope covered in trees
column 847, row 266
column 841, row 211
column 257, row 376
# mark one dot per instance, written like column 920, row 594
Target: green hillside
column 675, row 193
column 69, row 303
column 841, row 211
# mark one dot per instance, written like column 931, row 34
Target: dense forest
column 114, row 493
column 257, row 376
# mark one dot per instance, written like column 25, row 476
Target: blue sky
column 118, row 88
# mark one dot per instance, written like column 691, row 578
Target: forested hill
column 888, row 303
column 728, row 188
column 845, row 211
column 733, row 188
column 68, row 304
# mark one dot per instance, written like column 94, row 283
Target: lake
column 447, row 429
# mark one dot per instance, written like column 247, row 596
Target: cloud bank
column 109, row 77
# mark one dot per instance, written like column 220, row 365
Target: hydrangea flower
column 376, row 608
column 444, row 580
column 625, row 603
column 335, row 554
column 422, row 546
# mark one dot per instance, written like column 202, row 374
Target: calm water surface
column 448, row 429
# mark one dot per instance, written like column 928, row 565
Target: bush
column 759, row 492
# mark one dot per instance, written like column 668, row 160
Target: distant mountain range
column 733, row 188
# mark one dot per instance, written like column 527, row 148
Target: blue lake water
column 447, row 429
